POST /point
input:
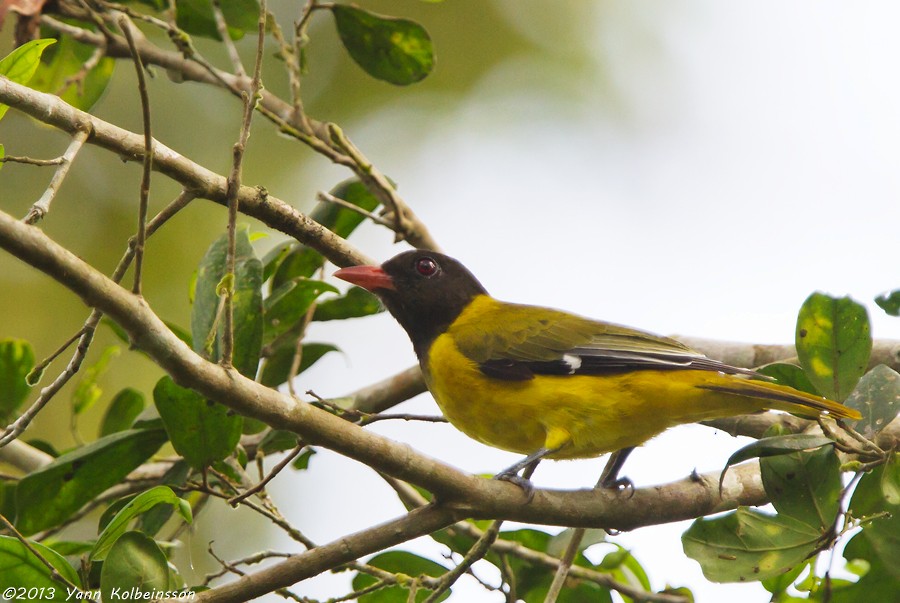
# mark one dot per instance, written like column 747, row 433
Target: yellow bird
column 547, row 383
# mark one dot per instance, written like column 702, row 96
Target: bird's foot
column 619, row 484
column 522, row 482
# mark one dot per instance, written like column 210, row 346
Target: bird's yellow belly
column 590, row 415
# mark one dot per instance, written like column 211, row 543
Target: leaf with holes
column 747, row 545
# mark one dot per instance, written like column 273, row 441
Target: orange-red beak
column 367, row 277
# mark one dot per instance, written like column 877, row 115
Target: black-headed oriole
column 546, row 383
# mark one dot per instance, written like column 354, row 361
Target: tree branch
column 315, row 134
column 198, row 180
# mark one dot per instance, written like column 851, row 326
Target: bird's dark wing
column 516, row 342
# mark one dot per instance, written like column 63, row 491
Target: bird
column 546, row 383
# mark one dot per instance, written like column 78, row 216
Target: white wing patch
column 573, row 362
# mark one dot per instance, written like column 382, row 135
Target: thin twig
column 230, row 568
column 329, row 198
column 31, row 161
column 250, row 560
column 297, row 358
column 82, row 73
column 42, row 206
column 234, row 500
column 276, row 518
column 234, row 184
column 125, row 26
column 222, row 28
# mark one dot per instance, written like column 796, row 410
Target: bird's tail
column 785, row 398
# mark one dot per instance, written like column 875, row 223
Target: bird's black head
column 424, row 290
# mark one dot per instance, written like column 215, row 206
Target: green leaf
column 355, row 303
column 889, row 302
column 48, row 496
column 276, row 369
column 628, row 569
column 151, row 522
column 397, row 51
column 878, row 492
column 20, row 568
column 88, row 391
column 401, row 562
column 301, row 463
column 2, row 155
column 805, row 486
column 123, row 410
column 65, row 60
column 247, row 302
column 790, row 375
column 747, row 545
column 277, row 440
column 272, row 260
column 833, row 343
column 20, row 65
column 202, row 431
column 877, row 398
column 16, row 361
column 303, row 260
column 778, row 445
column 287, row 306
column 70, row 548
column 134, row 564
column 196, row 17
column 876, row 546
column 137, row 506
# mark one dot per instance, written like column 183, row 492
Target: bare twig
column 83, row 71
column 126, row 26
column 294, row 453
column 31, row 161
column 42, row 205
column 234, row 184
column 222, row 28
column 329, row 198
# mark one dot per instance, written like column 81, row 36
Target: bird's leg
column 529, row 464
column 610, row 476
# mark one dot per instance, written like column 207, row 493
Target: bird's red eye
column 427, row 267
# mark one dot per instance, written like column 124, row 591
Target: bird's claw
column 516, row 479
column 620, row 484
